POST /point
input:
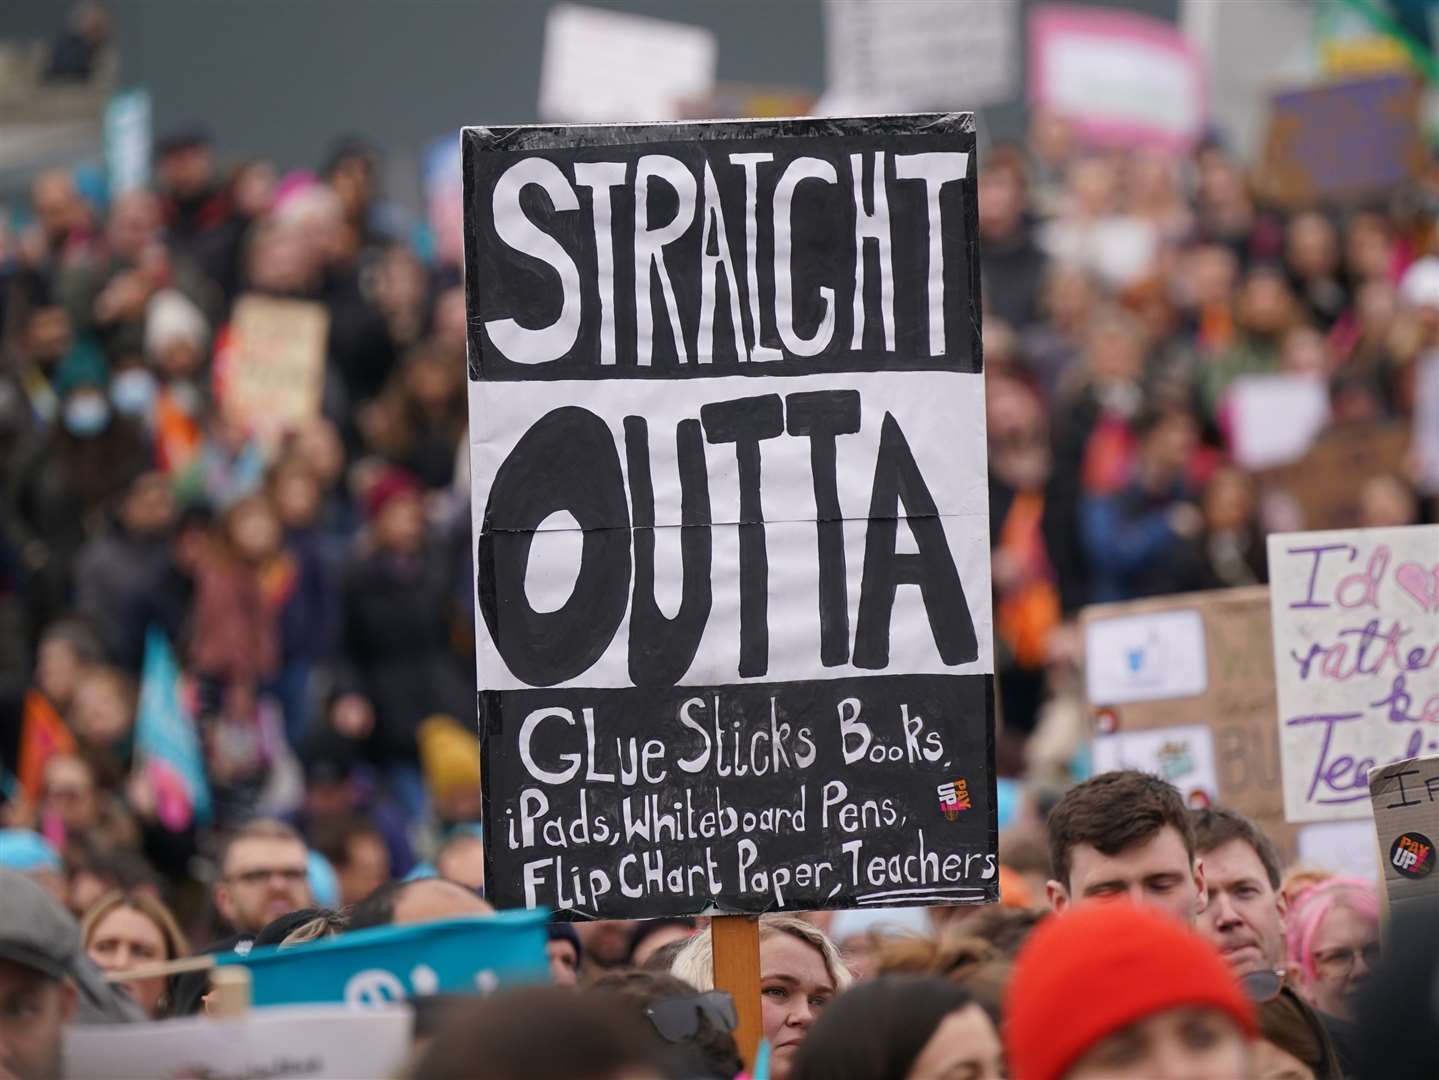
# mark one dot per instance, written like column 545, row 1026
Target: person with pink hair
column 1332, row 932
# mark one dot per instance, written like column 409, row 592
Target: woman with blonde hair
column 800, row 971
column 127, row 930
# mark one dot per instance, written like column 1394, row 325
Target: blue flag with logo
column 167, row 745
column 392, row 963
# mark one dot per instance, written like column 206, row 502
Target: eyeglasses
column 678, row 1018
column 1337, row 963
column 1262, row 986
column 290, row 875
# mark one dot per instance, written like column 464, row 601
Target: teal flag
column 393, row 963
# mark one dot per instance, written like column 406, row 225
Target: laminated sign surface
column 730, row 515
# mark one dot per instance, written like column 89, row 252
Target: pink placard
column 1122, row 79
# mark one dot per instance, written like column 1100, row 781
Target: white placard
column 311, row 1041
column 1276, row 417
column 1344, row 847
column 605, row 66
column 884, row 55
column 1356, row 660
column 1147, row 657
column 1426, row 421
column 937, row 439
column 1182, row 755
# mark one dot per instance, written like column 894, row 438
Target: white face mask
column 86, row 415
column 133, row 392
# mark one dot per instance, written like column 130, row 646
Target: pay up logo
column 1412, row 854
column 954, row 797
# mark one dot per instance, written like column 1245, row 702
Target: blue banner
column 393, row 963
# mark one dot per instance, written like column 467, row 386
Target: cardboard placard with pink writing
column 1356, row 660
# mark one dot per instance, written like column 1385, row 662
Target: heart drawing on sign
column 1421, row 584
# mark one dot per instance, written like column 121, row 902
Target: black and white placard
column 730, row 507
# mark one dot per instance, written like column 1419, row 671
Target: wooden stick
column 229, row 992
column 185, row 964
column 735, row 947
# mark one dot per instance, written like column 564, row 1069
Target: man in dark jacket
column 397, row 666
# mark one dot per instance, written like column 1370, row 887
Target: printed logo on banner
column 954, row 797
column 730, row 514
column 1412, row 854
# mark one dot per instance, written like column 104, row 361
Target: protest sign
column 1183, row 687
column 1342, row 140
column 1123, row 79
column 726, row 397
column 601, row 65
column 1405, row 798
column 392, row 963
column 313, row 1042
column 127, row 134
column 1255, row 400
column 1426, row 421
column 892, row 55
column 444, row 197
column 272, row 370
column 1356, row 660
column 1323, row 486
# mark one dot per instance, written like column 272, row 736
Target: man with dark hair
column 421, row 900
column 1125, row 834
column 357, row 851
column 1244, row 917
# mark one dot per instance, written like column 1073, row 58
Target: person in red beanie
column 1124, row 992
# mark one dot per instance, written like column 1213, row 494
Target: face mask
column 132, row 392
column 87, row 415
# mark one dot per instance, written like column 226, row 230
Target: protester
column 1125, row 834
column 564, row 954
column 422, row 900
column 800, row 972
column 904, row 1027
column 1244, row 915
column 129, row 930
column 654, row 934
column 542, row 1033
column 1117, row 990
column 263, row 874
column 692, row 1032
column 1332, row 932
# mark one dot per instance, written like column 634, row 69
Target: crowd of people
column 318, row 595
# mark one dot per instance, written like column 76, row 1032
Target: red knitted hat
column 1090, row 972
column 390, row 483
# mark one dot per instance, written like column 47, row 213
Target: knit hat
column 449, row 757
column 172, row 316
column 389, row 484
column 1094, row 971
column 83, row 365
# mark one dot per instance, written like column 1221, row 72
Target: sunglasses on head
column 678, row 1018
column 1262, row 986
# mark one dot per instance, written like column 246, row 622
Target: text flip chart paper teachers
column 1356, row 660
column 727, row 422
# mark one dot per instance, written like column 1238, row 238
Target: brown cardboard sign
column 1405, row 796
column 1324, row 485
column 273, row 369
column 1213, row 669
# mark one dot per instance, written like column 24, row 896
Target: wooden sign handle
column 734, row 943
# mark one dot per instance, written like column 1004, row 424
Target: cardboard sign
column 601, row 65
column 313, row 1043
column 1426, row 421
column 1123, row 79
column 890, row 55
column 274, row 365
column 1356, row 660
column 730, row 509
column 1323, row 486
column 392, row 963
column 1255, row 400
column 1342, row 140
column 1405, row 797
column 1147, row 718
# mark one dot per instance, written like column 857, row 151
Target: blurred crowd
column 317, row 593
